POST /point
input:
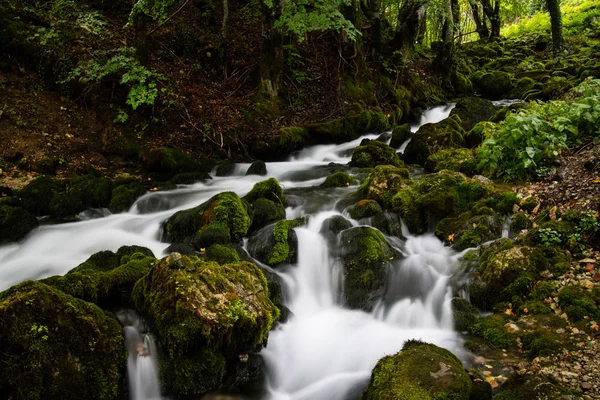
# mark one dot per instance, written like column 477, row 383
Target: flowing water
column 324, row 351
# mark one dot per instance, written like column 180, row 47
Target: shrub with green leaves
column 524, row 145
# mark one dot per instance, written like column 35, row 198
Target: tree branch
column 171, row 16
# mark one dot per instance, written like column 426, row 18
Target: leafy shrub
column 524, row 144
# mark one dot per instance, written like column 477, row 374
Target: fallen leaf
column 525, row 310
column 451, row 238
column 509, row 311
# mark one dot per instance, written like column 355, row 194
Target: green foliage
column 302, row 16
column 156, row 9
column 142, row 82
column 524, row 144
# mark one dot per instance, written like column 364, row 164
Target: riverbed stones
column 55, row 346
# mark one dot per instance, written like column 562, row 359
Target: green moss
column 421, row 371
column 472, row 110
column 15, row 223
column 38, row 194
column 338, row 179
column 57, row 347
column 404, row 203
column 375, row 153
column 383, row 182
column 123, row 196
column 282, row 252
column 470, row 229
column 167, row 160
column 399, row 135
column 528, row 204
column 492, row 330
column 450, row 159
column 265, row 212
column 519, row 221
column 365, row 209
column 289, row 139
column 193, row 304
column 578, row 303
column 522, row 86
column 494, row 85
column 465, row 314
column 365, row 254
column 221, row 254
column 433, row 137
column 196, row 374
column 106, row 278
column 221, row 219
column 82, row 193
column 268, row 189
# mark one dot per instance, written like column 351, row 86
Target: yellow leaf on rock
column 451, row 238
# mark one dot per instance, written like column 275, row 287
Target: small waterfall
column 142, row 362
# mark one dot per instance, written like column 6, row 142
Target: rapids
column 324, row 351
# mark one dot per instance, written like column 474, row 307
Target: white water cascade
column 142, row 362
column 324, row 350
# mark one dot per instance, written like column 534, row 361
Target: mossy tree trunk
column 410, row 18
column 352, row 49
column 271, row 50
column 224, row 37
column 447, row 51
column 556, row 22
column 141, row 41
column 492, row 11
column 479, row 19
column 372, row 10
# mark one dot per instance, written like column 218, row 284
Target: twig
column 167, row 20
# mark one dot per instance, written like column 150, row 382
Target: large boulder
column 204, row 314
column 433, row 137
column 375, row 153
column 37, row 195
column 275, row 244
column 472, row 110
column 221, row 219
column 55, row 346
column 338, row 179
column 84, row 192
column 460, row 160
column 399, row 135
column 495, row 85
column 421, row 371
column 167, row 160
column 15, row 223
column 106, row 278
column 268, row 189
column 383, row 182
column 471, row 228
column 365, row 254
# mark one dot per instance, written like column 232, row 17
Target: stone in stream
column 375, row 153
column 472, row 110
column 205, row 315
column 276, row 244
column 433, row 137
column 421, row 371
column 15, row 223
column 57, row 347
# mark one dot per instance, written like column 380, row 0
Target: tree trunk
column 480, row 24
column 141, row 42
column 410, row 18
column 556, row 22
column 447, row 51
column 352, row 50
column 372, row 10
column 271, row 50
column 493, row 14
column 422, row 25
column 223, row 44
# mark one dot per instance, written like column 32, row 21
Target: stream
column 324, row 350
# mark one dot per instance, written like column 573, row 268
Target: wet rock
column 399, row 135
column 375, row 153
column 257, row 168
column 472, row 110
column 338, row 179
column 15, row 223
column 431, row 138
column 276, row 244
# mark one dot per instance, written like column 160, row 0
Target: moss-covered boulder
column 365, row 209
column 383, row 182
column 167, row 160
column 221, row 219
column 579, row 303
column 258, row 167
column 495, row 85
column 55, row 346
column 82, row 193
column 399, row 135
column 431, row 138
column 188, row 178
column 365, row 254
column 338, row 179
column 522, row 86
column 507, row 272
column 471, row 228
column 276, row 244
column 555, row 87
column 502, row 113
column 332, row 227
column 123, row 196
column 375, row 153
column 268, row 189
column 37, row 195
column 538, row 386
column 106, row 278
column 460, row 160
column 405, row 204
column 222, row 254
column 421, row 371
column 265, row 212
column 465, row 314
column 15, row 223
column 472, row 110
column 204, row 314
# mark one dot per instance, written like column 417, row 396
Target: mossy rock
column 460, row 160
column 38, row 194
column 506, row 272
column 405, row 204
column 82, row 193
column 268, row 189
column 221, row 219
column 465, row 314
column 167, row 160
column 265, row 212
column 276, row 244
column 431, row 138
column 15, row 223
column 123, row 196
column 472, row 110
column 106, row 278
column 258, row 167
column 383, row 182
column 556, row 87
column 421, row 371
column 526, row 387
column 375, row 153
column 365, row 209
column 204, row 313
column 189, row 178
column 522, row 86
column 222, row 254
column 579, row 303
column 365, row 254
column 495, row 85
column 349, row 127
column 332, row 227
column 492, row 329
column 289, row 140
column 519, row 222
column 502, row 113
column 338, row 179
column 399, row 135
column 470, row 229
column 475, row 136
column 55, row 346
